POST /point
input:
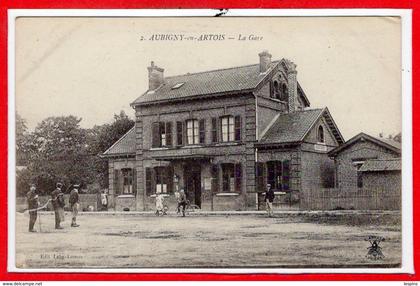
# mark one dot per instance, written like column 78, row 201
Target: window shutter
column 169, row 179
column 155, row 134
column 120, row 181
column 279, row 175
column 179, row 133
column 214, row 130
column 237, row 128
column 238, row 177
column 168, row 133
column 271, row 174
column 286, row 175
column 148, row 181
column 225, row 178
column 215, row 178
column 134, row 181
column 153, row 180
column 202, row 131
column 185, row 133
column 259, row 175
column 116, row 180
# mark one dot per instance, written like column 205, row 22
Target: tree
column 59, row 150
column 104, row 136
column 58, row 153
column 21, row 141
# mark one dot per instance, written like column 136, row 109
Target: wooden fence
column 360, row 199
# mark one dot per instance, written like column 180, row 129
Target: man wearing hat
column 74, row 204
column 33, row 204
column 57, row 198
column 269, row 198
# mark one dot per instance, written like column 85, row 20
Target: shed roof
column 386, row 143
column 381, row 165
column 126, row 145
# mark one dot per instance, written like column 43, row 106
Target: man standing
column 269, row 198
column 57, row 198
column 182, row 201
column 74, row 204
column 33, row 204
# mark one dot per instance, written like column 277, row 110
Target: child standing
column 159, row 202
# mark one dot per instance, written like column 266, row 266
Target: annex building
column 222, row 135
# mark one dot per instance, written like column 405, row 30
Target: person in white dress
column 159, row 202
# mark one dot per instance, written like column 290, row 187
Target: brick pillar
column 140, row 196
column 292, row 89
column 250, row 135
column 290, row 69
column 295, row 172
column 111, row 191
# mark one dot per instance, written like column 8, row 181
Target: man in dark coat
column 182, row 201
column 74, row 204
column 57, row 198
column 33, row 204
column 269, row 198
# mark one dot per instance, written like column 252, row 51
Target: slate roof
column 230, row 80
column 126, row 145
column 386, row 143
column 381, row 165
column 293, row 127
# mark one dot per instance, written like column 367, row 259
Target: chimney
column 155, row 76
column 265, row 61
column 291, row 73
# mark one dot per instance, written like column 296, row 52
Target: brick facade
column 346, row 161
column 382, row 180
column 258, row 96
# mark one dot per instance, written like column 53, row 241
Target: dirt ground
column 120, row 241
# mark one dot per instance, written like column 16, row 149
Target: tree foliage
column 104, row 136
column 21, row 141
column 59, row 150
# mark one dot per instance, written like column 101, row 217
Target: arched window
column 276, row 90
column 320, row 134
column 284, row 93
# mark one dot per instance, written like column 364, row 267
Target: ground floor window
column 159, row 179
column 232, row 177
column 161, row 182
column 127, row 187
column 124, row 181
column 278, row 175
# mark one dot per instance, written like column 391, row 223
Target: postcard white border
column 407, row 185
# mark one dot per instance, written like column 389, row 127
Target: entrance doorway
column 192, row 179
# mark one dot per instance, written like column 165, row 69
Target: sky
column 95, row 67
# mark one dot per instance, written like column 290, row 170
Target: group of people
column 181, row 200
column 58, row 203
